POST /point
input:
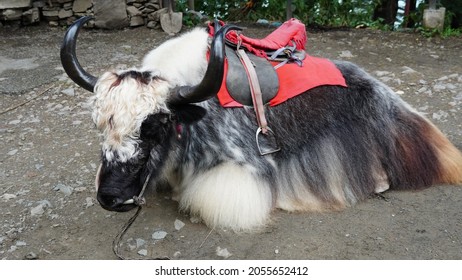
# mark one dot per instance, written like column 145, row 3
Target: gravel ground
column 50, row 151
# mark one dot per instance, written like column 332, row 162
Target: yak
column 339, row 145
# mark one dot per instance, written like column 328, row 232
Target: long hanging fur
column 338, row 145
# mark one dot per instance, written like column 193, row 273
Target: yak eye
column 156, row 119
column 155, row 126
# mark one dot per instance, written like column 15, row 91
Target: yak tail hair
column 427, row 156
column 449, row 158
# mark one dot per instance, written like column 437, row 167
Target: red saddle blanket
column 293, row 78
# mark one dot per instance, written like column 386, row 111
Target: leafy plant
column 190, row 19
column 328, row 13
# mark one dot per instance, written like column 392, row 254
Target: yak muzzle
column 111, row 199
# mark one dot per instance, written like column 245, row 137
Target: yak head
column 138, row 114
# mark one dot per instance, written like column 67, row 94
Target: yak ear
column 188, row 114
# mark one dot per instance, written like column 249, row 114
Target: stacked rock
column 108, row 14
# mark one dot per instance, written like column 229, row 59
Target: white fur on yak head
column 137, row 112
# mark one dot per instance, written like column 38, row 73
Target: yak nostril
column 110, row 202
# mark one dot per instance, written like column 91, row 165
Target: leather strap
column 255, row 90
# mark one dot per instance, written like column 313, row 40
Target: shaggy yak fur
column 338, row 144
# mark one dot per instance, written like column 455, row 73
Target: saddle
column 252, row 80
column 237, row 81
column 285, row 45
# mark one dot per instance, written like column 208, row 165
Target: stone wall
column 107, row 14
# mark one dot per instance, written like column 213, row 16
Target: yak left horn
column 69, row 59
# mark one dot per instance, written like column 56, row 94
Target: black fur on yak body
column 338, row 144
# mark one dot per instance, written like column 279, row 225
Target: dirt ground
column 49, row 153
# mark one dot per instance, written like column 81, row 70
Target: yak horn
column 69, row 59
column 211, row 83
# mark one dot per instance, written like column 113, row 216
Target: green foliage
column 326, row 13
column 272, row 10
column 190, row 19
column 433, row 32
column 451, row 32
column 379, row 24
column 454, row 8
column 312, row 12
column 329, row 13
column 214, row 9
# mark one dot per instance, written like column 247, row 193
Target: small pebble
column 12, row 248
column 69, row 92
column 382, row 73
column 15, row 122
column 346, row 54
column 80, row 189
column 89, row 202
column 20, row 243
column 140, row 242
column 159, row 235
column 195, row 220
column 66, row 190
column 31, row 256
column 130, row 244
column 444, row 78
column 408, row 70
column 224, row 253
column 8, row 196
column 143, row 252
column 38, row 210
column 178, row 224
column 12, row 152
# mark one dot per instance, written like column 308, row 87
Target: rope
column 27, row 101
column 139, row 201
column 118, row 238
